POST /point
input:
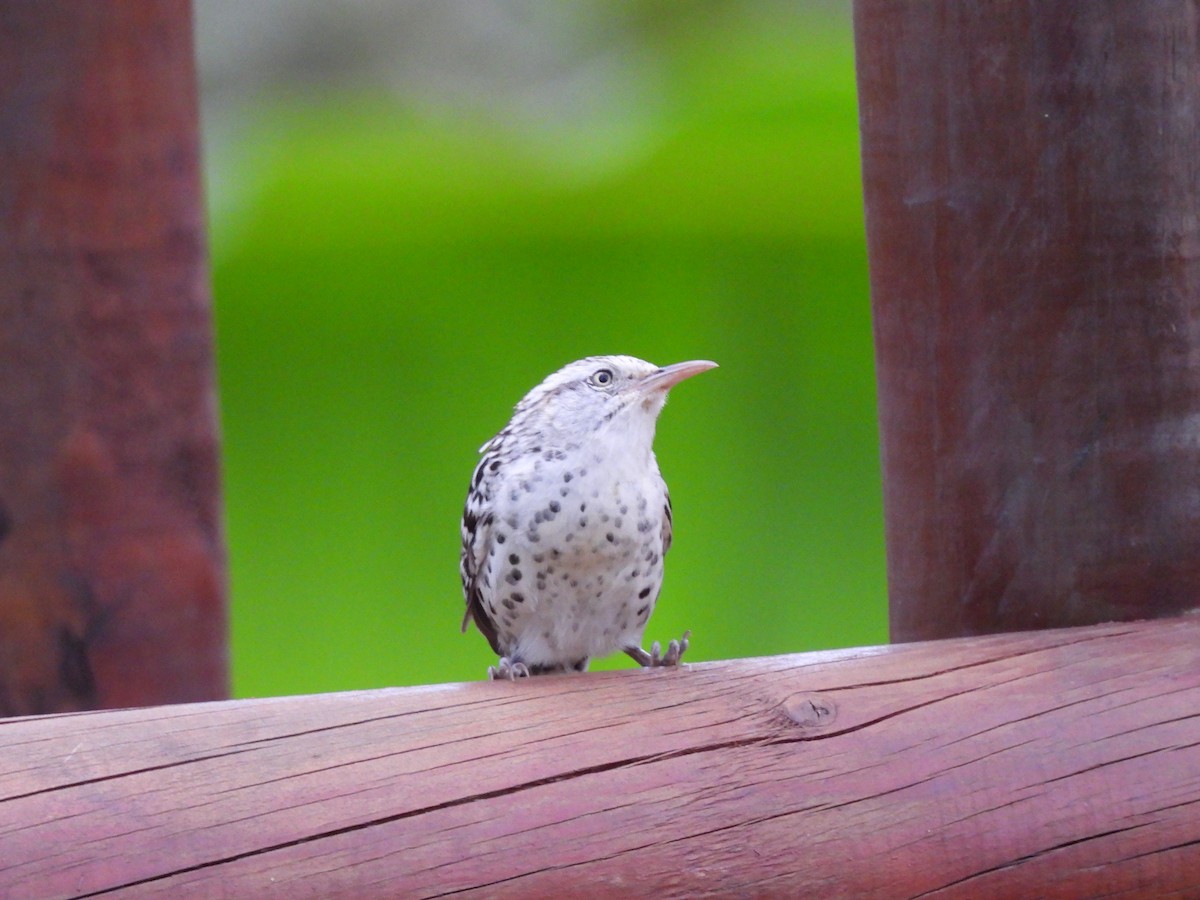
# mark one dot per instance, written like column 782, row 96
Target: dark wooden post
column 111, row 559
column 1031, row 183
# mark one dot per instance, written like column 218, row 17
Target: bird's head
column 602, row 397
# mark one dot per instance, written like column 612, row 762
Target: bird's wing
column 476, row 544
column 667, row 523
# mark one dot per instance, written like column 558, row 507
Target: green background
column 394, row 278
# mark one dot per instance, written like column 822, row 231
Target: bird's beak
column 669, row 376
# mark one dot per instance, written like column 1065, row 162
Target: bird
column 567, row 520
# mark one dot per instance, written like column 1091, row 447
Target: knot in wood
column 810, row 710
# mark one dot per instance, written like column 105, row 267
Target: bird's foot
column 675, row 651
column 656, row 658
column 508, row 670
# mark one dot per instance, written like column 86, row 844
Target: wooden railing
column 1055, row 763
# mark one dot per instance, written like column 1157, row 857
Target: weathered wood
column 111, row 559
column 1033, row 226
column 1037, row 764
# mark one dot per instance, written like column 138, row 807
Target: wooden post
column 111, row 558
column 1033, row 227
column 1047, row 764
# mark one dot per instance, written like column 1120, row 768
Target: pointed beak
column 669, row 376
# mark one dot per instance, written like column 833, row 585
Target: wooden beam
column 1033, row 225
column 111, row 559
column 1036, row 764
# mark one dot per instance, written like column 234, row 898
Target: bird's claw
column 675, row 651
column 507, row 670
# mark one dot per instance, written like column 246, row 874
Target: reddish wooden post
column 1031, row 188
column 111, row 559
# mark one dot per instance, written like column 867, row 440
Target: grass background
column 391, row 279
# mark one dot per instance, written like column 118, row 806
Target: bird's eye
column 602, row 378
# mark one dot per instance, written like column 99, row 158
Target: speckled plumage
column 567, row 520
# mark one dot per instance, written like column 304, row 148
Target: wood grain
column 1059, row 763
column 1031, row 192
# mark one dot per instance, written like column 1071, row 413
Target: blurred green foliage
column 393, row 283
